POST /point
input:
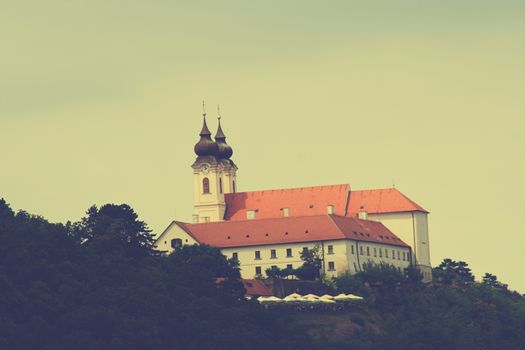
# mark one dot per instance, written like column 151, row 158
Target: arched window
column 220, row 184
column 205, row 185
column 176, row 243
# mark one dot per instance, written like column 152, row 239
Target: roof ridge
column 291, row 188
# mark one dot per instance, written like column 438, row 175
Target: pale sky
column 100, row 101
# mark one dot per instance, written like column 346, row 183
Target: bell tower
column 214, row 175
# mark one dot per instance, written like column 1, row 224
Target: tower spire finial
column 203, row 108
column 219, row 113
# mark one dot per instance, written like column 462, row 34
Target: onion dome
column 225, row 151
column 206, row 146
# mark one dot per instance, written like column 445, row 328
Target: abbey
column 270, row 228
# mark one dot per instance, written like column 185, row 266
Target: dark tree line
column 99, row 284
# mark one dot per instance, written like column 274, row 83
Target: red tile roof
column 300, row 202
column 256, row 288
column 388, row 200
column 253, row 287
column 225, row 234
column 315, row 200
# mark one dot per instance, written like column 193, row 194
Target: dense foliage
column 452, row 313
column 98, row 284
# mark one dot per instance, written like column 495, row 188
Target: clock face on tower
column 205, row 168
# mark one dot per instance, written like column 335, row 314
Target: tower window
column 234, row 189
column 220, row 184
column 205, row 185
column 330, row 209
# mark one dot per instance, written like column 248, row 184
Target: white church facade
column 270, row 228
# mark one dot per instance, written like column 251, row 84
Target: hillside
column 99, row 284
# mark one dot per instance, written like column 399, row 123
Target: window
column 220, row 184
column 195, row 219
column 288, row 252
column 305, row 249
column 273, row 267
column 330, row 209
column 205, row 219
column 176, row 243
column 257, row 255
column 375, row 252
column 289, row 266
column 380, row 252
column 368, row 251
column 258, row 270
column 286, row 212
column 273, row 254
column 235, row 256
column 250, row 214
column 361, row 250
column 393, row 254
column 386, row 253
column 330, row 249
column 398, row 255
column 404, row 256
column 205, row 185
column 408, row 256
column 355, row 267
column 233, row 184
column 352, row 247
column 331, row 266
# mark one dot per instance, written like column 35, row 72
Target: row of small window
column 364, row 267
column 258, row 269
column 400, row 255
column 273, row 253
column 250, row 214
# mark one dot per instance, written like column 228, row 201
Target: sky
column 101, row 102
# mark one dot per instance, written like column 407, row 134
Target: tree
column 115, row 229
column 312, row 263
column 453, row 272
column 492, row 281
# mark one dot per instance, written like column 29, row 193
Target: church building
column 270, row 228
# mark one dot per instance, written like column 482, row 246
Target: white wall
column 411, row 228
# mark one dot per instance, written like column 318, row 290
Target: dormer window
column 176, row 243
column 205, row 185
column 250, row 214
column 330, row 209
column 286, row 212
